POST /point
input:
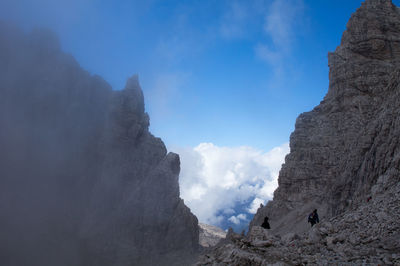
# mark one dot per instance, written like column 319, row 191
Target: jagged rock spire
column 131, row 98
column 133, row 83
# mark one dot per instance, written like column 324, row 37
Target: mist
column 82, row 180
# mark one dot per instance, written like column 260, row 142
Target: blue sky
column 230, row 73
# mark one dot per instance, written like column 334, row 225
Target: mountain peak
column 373, row 31
column 374, row 3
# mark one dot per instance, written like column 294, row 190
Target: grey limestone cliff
column 341, row 148
column 344, row 160
column 82, row 180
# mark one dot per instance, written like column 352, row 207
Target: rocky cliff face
column 344, row 161
column 341, row 148
column 82, row 180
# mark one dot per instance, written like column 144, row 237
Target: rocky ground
column 367, row 235
column 210, row 235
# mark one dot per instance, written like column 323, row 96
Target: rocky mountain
column 341, row 148
column 344, row 161
column 210, row 235
column 82, row 180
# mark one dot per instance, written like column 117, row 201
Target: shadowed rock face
column 341, row 148
column 82, row 180
column 344, row 160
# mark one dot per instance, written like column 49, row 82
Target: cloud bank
column 224, row 186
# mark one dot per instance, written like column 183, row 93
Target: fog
column 41, row 161
column 82, row 181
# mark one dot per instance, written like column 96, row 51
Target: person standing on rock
column 313, row 218
column 265, row 224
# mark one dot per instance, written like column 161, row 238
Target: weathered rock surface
column 340, row 149
column 210, row 235
column 344, row 152
column 82, row 180
column 367, row 235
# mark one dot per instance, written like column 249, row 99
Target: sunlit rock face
column 341, row 148
column 210, row 235
column 82, row 180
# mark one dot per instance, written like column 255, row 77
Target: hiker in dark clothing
column 265, row 224
column 313, row 218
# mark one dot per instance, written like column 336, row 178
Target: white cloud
column 229, row 211
column 255, row 204
column 234, row 220
column 215, row 180
column 284, row 22
column 265, row 53
column 281, row 22
column 238, row 219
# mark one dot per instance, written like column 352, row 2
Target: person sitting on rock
column 265, row 224
column 313, row 218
